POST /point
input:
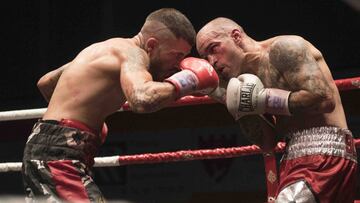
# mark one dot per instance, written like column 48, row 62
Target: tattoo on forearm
column 149, row 98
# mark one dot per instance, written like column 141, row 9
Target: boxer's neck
column 139, row 40
column 253, row 61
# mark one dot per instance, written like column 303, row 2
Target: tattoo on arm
column 142, row 93
column 292, row 57
column 151, row 97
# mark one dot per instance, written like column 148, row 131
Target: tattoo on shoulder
column 288, row 53
column 293, row 58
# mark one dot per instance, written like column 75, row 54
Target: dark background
column 39, row 36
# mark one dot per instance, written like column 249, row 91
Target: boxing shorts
column 57, row 160
column 319, row 165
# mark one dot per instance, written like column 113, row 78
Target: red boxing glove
column 197, row 76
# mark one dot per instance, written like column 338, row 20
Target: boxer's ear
column 236, row 35
column 151, row 44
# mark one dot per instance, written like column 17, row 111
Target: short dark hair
column 176, row 22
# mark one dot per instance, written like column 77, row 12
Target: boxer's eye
column 213, row 48
column 178, row 56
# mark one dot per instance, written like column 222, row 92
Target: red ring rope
column 188, row 155
column 348, row 83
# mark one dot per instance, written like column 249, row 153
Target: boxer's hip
column 319, row 164
column 62, row 140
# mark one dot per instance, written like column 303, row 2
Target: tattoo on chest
column 272, row 78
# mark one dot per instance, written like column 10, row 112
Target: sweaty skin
column 284, row 62
column 105, row 75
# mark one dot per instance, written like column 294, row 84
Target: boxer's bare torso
column 104, row 75
column 285, row 62
column 89, row 88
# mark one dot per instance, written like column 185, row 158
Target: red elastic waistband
column 78, row 125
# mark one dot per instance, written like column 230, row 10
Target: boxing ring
column 270, row 162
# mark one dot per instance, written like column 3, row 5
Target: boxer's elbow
column 141, row 107
column 136, row 108
column 327, row 103
column 323, row 103
column 43, row 82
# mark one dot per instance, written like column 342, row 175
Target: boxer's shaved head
column 221, row 25
column 217, row 28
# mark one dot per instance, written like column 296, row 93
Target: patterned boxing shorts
column 57, row 160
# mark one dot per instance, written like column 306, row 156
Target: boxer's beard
column 156, row 67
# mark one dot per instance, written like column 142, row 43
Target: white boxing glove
column 246, row 95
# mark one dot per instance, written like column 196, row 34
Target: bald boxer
column 288, row 77
column 143, row 70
